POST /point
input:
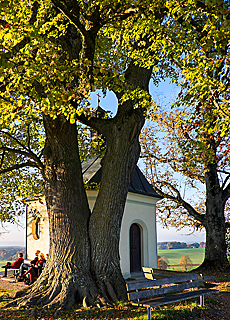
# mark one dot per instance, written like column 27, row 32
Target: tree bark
column 216, row 249
column 66, row 277
column 122, row 153
column 117, row 170
column 84, row 261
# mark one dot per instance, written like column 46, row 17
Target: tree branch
column 171, row 162
column 226, row 179
column 14, row 139
column 119, row 16
column 186, row 135
column 181, row 202
column 19, row 166
column 28, row 134
column 28, row 154
column 35, row 8
column 98, row 124
column 2, row 158
column 72, row 16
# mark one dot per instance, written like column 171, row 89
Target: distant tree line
column 179, row 245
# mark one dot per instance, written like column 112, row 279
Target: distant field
column 2, row 263
column 173, row 255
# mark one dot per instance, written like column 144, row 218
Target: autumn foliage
column 163, row 263
column 185, row 263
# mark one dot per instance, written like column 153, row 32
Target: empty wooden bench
column 152, row 293
column 152, row 273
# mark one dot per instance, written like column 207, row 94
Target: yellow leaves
column 29, row 73
column 102, row 70
column 4, row 3
column 140, row 98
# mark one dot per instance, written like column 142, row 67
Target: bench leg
column 149, row 313
column 202, row 301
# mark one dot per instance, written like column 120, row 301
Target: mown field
column 173, row 255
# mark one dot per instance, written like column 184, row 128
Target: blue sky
column 163, row 94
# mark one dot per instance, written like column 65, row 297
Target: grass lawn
column 187, row 310
column 173, row 255
column 184, row 310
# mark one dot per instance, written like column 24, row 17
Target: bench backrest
column 151, row 273
column 151, row 288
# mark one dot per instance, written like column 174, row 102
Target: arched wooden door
column 135, row 248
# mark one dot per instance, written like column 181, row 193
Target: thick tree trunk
column 117, row 169
column 66, row 277
column 84, row 261
column 216, row 249
column 123, row 149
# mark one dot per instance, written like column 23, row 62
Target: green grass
column 3, row 263
column 184, row 310
column 173, row 255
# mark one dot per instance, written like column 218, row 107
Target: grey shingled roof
column 92, row 172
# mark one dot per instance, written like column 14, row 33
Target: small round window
column 36, row 228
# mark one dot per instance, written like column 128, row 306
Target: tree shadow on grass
column 181, row 311
column 95, row 313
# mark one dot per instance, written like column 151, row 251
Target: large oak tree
column 54, row 53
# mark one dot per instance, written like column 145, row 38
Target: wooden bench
column 152, row 293
column 151, row 273
column 14, row 272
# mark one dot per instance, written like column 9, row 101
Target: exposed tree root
column 61, row 290
column 112, row 286
column 63, row 286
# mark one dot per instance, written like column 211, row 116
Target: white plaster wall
column 91, row 196
column 139, row 209
column 37, row 208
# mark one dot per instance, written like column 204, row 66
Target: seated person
column 25, row 266
column 14, row 265
column 36, row 270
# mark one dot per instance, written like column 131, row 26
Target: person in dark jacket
column 26, row 266
column 14, row 265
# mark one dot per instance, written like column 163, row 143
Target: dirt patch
column 11, row 286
